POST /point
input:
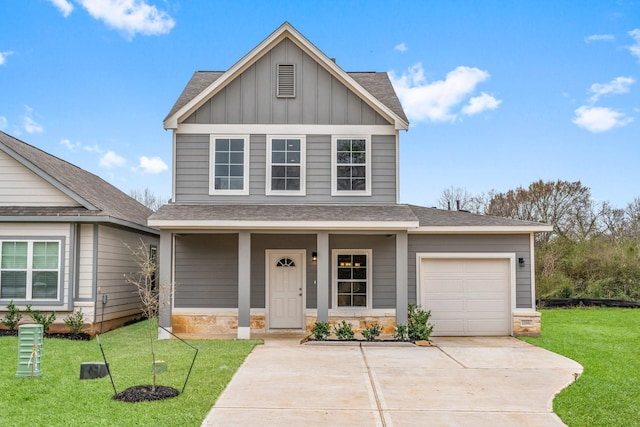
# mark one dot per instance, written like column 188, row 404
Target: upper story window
column 30, row 270
column 351, row 166
column 286, row 166
column 229, row 157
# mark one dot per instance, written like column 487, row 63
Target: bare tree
column 147, row 198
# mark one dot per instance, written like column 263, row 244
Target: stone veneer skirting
column 526, row 324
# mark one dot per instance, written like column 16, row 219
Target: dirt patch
column 146, row 393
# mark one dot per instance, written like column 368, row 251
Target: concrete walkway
column 461, row 382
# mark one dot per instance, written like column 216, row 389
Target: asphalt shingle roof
column 108, row 199
column 446, row 218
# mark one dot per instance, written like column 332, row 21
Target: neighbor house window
column 29, row 270
column 286, row 166
column 351, row 169
column 352, row 279
column 230, row 165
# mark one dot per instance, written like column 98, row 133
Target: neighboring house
column 63, row 238
column 286, row 210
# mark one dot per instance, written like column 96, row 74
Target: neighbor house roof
column 95, row 196
column 374, row 88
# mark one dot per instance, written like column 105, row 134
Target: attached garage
column 468, row 294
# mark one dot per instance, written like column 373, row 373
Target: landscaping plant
column 12, row 316
column 40, row 318
column 418, row 326
column 75, row 322
column 370, row 333
column 321, row 331
column 344, row 331
column 401, row 333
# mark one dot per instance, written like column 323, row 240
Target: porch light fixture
column 521, row 262
column 314, row 256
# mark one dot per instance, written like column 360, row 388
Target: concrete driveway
column 461, row 382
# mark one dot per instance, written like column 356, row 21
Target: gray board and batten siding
column 518, row 243
column 320, row 98
column 206, row 272
column 193, row 169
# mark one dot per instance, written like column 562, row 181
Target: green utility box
column 29, row 351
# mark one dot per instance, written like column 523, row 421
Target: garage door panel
column 467, row 296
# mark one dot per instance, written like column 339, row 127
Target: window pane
column 293, row 157
column 222, row 170
column 278, row 144
column 344, row 273
column 236, row 183
column 358, row 171
column 343, row 145
column 344, row 300
column 236, row 145
column 222, row 145
column 278, row 184
column 222, row 183
column 45, row 284
column 293, row 145
column 358, row 158
column 344, row 171
column 358, row 185
column 360, row 273
column 14, row 255
column 278, row 171
column 293, row 184
column 344, row 287
column 45, row 255
column 344, row 184
column 360, row 260
column 293, row 171
column 236, row 171
column 360, row 288
column 278, row 157
column 13, row 284
column 359, row 301
column 358, row 145
column 236, row 158
column 222, row 158
column 343, row 157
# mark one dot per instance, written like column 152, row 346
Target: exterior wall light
column 521, row 262
column 314, row 256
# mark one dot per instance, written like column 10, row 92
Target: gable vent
column 286, row 81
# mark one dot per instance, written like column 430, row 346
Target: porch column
column 402, row 277
column 323, row 276
column 164, row 274
column 244, row 285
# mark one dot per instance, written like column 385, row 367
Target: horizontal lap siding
column 518, row 244
column 206, row 272
column 384, row 270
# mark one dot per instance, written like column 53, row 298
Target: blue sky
column 499, row 93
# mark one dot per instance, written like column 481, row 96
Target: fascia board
column 481, row 229
column 48, row 178
column 283, row 225
column 256, row 53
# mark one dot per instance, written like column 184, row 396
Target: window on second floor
column 229, row 159
column 351, row 166
column 286, row 165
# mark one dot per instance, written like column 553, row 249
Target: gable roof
column 97, row 197
column 374, row 88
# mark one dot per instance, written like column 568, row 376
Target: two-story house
column 285, row 210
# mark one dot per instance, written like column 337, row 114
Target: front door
column 286, row 286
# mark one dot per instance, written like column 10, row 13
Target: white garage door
column 466, row 296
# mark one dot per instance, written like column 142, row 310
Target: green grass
column 60, row 398
column 607, row 344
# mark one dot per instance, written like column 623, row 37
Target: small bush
column 12, row 317
column 344, row 331
column 370, row 333
column 401, row 333
column 75, row 322
column 321, row 331
column 40, row 318
column 418, row 327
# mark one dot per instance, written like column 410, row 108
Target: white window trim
column 334, row 166
column 334, row 281
column 212, row 164
column 303, row 166
column 29, row 269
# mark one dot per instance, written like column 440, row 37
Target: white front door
column 286, row 287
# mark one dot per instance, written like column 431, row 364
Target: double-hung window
column 351, row 166
column 286, row 165
column 352, row 278
column 229, row 158
column 30, row 269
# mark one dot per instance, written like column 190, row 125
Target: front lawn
column 606, row 342
column 59, row 397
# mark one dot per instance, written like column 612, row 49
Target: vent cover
column 286, row 81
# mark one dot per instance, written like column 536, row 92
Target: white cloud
column 599, row 38
column 152, row 165
column 481, row 103
column 3, row 122
column 4, row 55
column 402, row 47
column 71, row 146
column 65, row 7
column 130, row 16
column 600, row 119
column 615, row 86
column 635, row 48
column 93, row 148
column 29, row 123
column 436, row 101
column 111, row 160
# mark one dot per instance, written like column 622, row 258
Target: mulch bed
column 585, row 302
column 145, row 393
column 80, row 336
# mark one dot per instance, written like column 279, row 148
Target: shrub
column 344, row 331
column 418, row 327
column 75, row 322
column 12, row 317
column 370, row 333
column 401, row 333
column 40, row 318
column 321, row 331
